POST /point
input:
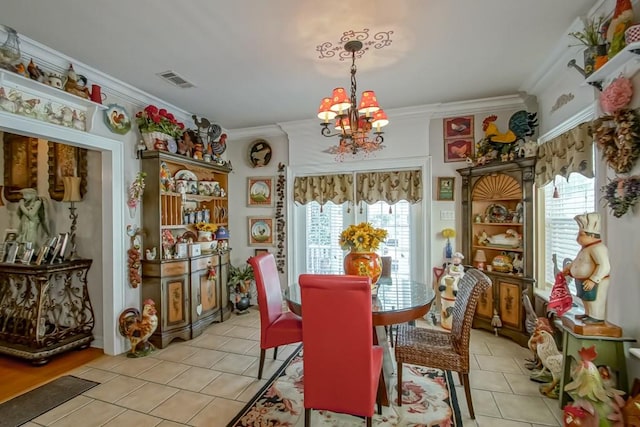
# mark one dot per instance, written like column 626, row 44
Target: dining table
column 393, row 301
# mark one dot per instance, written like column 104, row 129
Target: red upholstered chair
column 277, row 327
column 342, row 367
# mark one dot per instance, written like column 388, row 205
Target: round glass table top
column 395, row 300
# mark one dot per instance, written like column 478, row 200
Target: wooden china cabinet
column 189, row 289
column 497, row 218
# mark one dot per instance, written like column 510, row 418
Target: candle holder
column 72, row 195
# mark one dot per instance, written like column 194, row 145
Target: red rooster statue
column 139, row 328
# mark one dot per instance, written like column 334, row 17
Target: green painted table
column 610, row 353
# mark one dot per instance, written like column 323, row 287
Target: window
column 576, row 197
column 323, row 254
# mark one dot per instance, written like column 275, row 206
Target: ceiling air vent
column 175, row 79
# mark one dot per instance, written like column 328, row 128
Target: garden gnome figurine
column 590, row 269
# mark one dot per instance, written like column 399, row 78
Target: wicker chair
column 441, row 349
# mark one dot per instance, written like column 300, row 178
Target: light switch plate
column 447, row 215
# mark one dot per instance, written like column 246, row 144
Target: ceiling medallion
column 354, row 122
column 331, row 50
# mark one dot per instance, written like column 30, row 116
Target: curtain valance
column 570, row 152
column 322, row 189
column 389, row 186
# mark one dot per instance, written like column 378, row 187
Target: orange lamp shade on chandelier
column 353, row 121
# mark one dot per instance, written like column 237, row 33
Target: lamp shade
column 222, row 233
column 379, row 119
column 340, row 102
column 368, row 103
column 71, row 189
column 480, row 259
column 343, row 125
column 324, row 111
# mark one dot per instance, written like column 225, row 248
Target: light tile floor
column 206, row 381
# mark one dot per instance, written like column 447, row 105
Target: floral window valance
column 389, row 186
column 570, row 152
column 322, row 189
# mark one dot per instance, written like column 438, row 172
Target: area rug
column 36, row 402
column 429, row 399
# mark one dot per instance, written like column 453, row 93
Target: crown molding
column 584, row 115
column 257, row 131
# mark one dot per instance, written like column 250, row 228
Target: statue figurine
column 449, row 289
column 32, row 212
column 590, row 269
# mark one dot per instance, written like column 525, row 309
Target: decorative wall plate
column 117, row 119
column 259, row 153
column 497, row 213
column 186, row 175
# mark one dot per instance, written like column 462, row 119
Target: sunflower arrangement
column 362, row 237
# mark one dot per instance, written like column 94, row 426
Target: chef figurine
column 590, row 269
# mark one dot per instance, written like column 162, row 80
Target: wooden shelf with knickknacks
column 185, row 220
column 497, row 233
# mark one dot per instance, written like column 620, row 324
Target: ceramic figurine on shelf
column 76, row 85
column 35, row 72
column 590, row 269
column 186, row 143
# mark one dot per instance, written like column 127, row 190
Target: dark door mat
column 36, row 402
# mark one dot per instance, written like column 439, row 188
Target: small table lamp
column 72, row 195
column 480, row 259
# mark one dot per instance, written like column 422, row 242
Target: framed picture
column 42, row 254
column 66, row 160
column 260, row 252
column 26, row 257
column 21, row 165
column 446, row 187
column 63, row 238
column 260, row 231
column 12, row 251
column 457, row 150
column 458, row 127
column 10, row 235
column 260, row 191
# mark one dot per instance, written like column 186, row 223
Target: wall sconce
column 480, row 259
column 72, row 195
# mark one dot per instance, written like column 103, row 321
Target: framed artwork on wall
column 458, row 127
column 260, row 191
column 446, row 186
column 20, row 165
column 457, row 150
column 66, row 160
column 260, row 252
column 10, row 235
column 260, row 231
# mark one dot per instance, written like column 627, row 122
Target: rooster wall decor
column 139, row 328
column 495, row 143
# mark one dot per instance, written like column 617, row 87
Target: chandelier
column 356, row 125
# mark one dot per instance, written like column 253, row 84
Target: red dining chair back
column 342, row 367
column 277, row 326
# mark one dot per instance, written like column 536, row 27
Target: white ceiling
column 254, row 62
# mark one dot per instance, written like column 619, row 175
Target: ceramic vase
column 359, row 263
column 448, row 250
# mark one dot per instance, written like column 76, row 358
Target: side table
column 610, row 353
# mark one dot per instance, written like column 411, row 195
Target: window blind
column 576, row 197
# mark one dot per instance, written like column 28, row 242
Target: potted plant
column 239, row 283
column 595, row 54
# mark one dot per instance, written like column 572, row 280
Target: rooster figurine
column 139, row 328
column 521, row 124
column 219, row 147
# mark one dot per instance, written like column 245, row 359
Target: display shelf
column 60, row 94
column 195, row 197
column 510, row 224
column 497, row 248
column 631, row 52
